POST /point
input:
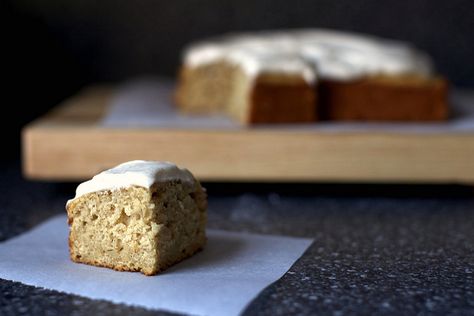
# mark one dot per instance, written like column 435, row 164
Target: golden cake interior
column 136, row 228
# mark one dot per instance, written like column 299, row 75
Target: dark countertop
column 377, row 249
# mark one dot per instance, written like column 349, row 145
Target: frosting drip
column 134, row 173
column 312, row 53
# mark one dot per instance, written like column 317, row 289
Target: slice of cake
column 139, row 216
column 306, row 75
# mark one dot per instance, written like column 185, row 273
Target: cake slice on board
column 307, row 75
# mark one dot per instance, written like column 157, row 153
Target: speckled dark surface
column 371, row 255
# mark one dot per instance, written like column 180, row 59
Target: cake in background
column 308, row 75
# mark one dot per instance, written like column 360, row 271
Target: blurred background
column 53, row 48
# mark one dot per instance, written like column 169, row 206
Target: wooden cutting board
column 71, row 143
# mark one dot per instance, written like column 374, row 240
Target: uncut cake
column 308, row 75
column 138, row 216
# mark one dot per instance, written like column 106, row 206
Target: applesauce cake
column 138, row 216
column 308, row 75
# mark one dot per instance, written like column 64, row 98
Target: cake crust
column 384, row 99
column 282, row 99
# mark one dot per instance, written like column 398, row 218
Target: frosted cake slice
column 138, row 216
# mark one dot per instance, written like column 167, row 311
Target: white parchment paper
column 148, row 102
column 220, row 280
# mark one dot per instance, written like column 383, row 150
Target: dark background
column 53, row 48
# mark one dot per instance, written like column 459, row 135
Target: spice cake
column 139, row 216
column 307, row 75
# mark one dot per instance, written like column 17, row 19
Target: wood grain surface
column 70, row 144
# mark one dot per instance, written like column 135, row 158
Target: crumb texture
column 138, row 229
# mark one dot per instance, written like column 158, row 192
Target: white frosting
column 134, row 173
column 312, row 53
